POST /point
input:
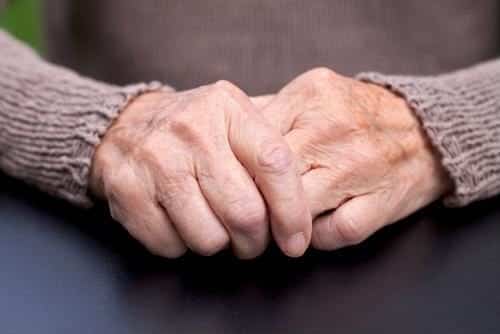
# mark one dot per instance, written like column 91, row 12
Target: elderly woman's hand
column 197, row 169
column 363, row 154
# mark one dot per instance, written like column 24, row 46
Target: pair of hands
column 326, row 161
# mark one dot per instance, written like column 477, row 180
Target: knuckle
column 322, row 75
column 224, row 86
column 221, row 98
column 226, row 93
column 118, row 182
column 348, row 230
column 322, row 72
column 275, row 158
column 318, row 83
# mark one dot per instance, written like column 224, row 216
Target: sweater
column 442, row 56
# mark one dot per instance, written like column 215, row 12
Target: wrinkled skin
column 364, row 160
column 328, row 160
column 196, row 170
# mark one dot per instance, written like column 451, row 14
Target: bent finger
column 191, row 215
column 350, row 224
column 267, row 157
column 235, row 199
column 130, row 203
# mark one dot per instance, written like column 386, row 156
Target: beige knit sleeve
column 460, row 112
column 52, row 119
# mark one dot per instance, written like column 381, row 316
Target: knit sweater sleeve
column 52, row 119
column 460, row 112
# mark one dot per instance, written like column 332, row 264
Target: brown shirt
column 51, row 119
column 262, row 44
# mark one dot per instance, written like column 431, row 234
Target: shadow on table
column 396, row 271
column 271, row 268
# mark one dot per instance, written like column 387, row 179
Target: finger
column 351, row 223
column 324, row 190
column 233, row 196
column 267, row 157
column 150, row 226
column 141, row 216
column 191, row 215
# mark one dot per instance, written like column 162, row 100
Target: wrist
column 422, row 168
column 432, row 179
column 106, row 151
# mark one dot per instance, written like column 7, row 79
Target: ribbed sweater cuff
column 460, row 113
column 52, row 119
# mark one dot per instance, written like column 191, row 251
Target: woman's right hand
column 196, row 169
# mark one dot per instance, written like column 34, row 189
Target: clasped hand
column 325, row 162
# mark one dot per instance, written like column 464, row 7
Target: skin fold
column 326, row 161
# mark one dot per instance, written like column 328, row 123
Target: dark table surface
column 64, row 270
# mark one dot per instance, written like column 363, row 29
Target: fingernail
column 296, row 245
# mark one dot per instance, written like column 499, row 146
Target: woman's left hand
column 365, row 160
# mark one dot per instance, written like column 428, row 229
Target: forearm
column 52, row 119
column 460, row 113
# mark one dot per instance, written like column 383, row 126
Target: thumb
column 351, row 223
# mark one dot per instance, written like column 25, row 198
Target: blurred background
column 22, row 19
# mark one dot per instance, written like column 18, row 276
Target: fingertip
column 296, row 245
column 294, row 239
